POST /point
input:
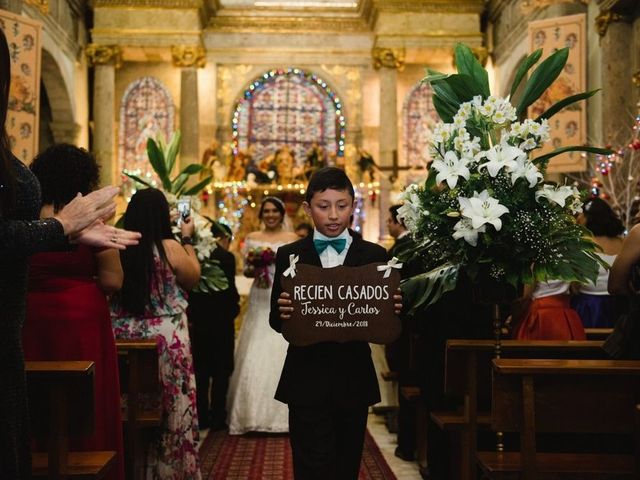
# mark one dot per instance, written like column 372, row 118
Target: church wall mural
column 23, row 38
column 146, row 110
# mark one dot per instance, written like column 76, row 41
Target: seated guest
column 153, row 304
column 548, row 315
column 67, row 311
column 596, row 307
column 211, row 318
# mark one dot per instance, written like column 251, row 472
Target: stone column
column 616, row 71
column 189, row 59
column 388, row 61
column 65, row 132
column 105, row 59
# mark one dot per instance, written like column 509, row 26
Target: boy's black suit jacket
column 328, row 373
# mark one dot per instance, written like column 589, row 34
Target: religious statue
column 284, row 161
column 212, row 165
column 315, row 160
column 238, row 168
column 366, row 165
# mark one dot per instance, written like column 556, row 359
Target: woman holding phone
column 153, row 304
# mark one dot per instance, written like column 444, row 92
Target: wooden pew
column 564, row 396
column 138, row 362
column 597, row 333
column 61, row 399
column 468, row 377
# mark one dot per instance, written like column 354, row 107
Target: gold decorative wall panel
column 24, row 39
column 569, row 127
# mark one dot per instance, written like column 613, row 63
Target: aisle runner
column 262, row 457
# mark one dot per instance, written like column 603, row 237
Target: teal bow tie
column 338, row 244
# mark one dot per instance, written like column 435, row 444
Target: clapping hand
column 100, row 235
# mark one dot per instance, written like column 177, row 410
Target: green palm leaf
column 427, row 288
column 172, row 150
column 198, row 187
column 524, row 67
column 467, row 64
column 542, row 160
column 156, row 158
column 556, row 107
column 541, row 78
column 137, row 179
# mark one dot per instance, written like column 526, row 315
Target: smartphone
column 184, row 209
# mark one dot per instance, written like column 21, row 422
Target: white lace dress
column 259, row 357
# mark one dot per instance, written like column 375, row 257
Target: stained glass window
column 419, row 118
column 146, row 111
column 289, row 107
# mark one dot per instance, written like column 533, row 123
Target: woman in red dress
column 67, row 311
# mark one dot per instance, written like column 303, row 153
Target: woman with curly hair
column 67, row 311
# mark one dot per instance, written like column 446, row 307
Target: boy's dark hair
column 63, row 170
column 601, row 219
column 328, row 178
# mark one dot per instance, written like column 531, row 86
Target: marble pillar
column 105, row 59
column 104, row 118
column 388, row 62
column 65, row 132
column 189, row 58
column 189, row 122
column 616, row 82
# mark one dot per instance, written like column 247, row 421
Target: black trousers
column 327, row 442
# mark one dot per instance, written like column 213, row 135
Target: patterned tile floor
column 387, row 443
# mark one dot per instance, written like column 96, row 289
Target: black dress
column 21, row 234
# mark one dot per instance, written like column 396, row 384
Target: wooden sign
column 342, row 304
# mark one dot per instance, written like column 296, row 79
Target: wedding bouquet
column 259, row 259
column 485, row 206
column 163, row 158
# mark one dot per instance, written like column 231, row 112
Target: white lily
column 410, row 210
column 451, row 168
column 526, row 169
column 482, row 209
column 557, row 195
column 500, row 156
column 464, row 229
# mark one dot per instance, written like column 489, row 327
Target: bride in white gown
column 260, row 351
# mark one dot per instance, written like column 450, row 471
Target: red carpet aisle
column 268, row 457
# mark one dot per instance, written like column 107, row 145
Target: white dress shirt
column 330, row 257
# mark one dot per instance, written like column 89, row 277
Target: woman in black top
column 22, row 234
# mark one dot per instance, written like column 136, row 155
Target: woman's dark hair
column 329, row 178
column 601, row 219
column 64, row 170
column 147, row 213
column 7, row 174
column 275, row 201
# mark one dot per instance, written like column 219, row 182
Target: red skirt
column 551, row 318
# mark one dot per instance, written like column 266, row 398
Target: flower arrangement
column 259, row 259
column 485, row 206
column 163, row 158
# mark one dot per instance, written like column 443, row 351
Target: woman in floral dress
column 152, row 304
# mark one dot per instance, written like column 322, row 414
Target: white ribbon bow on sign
column 393, row 263
column 291, row 271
